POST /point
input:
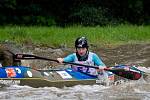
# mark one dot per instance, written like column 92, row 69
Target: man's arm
column 69, row 58
column 97, row 61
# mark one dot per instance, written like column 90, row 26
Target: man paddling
column 83, row 56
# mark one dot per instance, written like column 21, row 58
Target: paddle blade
column 126, row 73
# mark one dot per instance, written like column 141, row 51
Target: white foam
column 78, row 92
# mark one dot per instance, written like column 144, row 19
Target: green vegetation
column 83, row 12
column 57, row 36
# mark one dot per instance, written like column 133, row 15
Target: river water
column 131, row 90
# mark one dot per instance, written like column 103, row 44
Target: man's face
column 81, row 51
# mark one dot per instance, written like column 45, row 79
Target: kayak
column 49, row 78
column 53, row 78
column 63, row 77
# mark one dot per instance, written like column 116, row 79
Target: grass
column 57, row 36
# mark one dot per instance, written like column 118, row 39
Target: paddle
column 132, row 75
column 143, row 70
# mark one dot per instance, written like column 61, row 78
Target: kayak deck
column 48, row 78
column 53, row 78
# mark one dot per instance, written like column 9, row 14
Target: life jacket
column 86, row 70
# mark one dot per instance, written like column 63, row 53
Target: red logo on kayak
column 10, row 72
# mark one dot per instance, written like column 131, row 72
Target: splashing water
column 132, row 90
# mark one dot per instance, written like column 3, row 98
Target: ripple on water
column 73, row 93
column 134, row 90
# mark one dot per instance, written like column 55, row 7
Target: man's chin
column 81, row 55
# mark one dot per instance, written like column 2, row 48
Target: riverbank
column 123, row 44
column 65, row 37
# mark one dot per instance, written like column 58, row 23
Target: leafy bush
column 92, row 16
column 39, row 20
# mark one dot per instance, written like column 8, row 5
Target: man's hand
column 101, row 68
column 60, row 60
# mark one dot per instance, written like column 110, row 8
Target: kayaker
column 83, row 56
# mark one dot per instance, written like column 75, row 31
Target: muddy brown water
column 138, row 54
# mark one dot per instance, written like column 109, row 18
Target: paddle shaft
column 28, row 57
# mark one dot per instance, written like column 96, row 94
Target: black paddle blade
column 24, row 56
column 132, row 75
column 31, row 57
